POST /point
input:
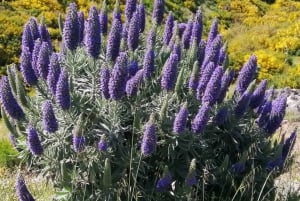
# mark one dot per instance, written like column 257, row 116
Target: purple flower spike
column 133, row 83
column 26, row 67
column 45, row 36
column 177, row 50
column 114, row 40
column 201, row 52
column 42, row 63
column 142, row 17
column 212, row 54
column 197, row 28
column 212, row 33
column 213, row 87
column 93, row 33
column 225, row 83
column 289, row 144
column 78, row 143
column 103, row 22
column 277, row 163
column 103, row 144
column 221, row 116
column 276, row 115
column 187, row 35
column 71, row 28
column 151, row 39
column 21, row 190
column 35, row 56
column 133, row 68
column 264, row 113
column 204, row 79
column 201, row 119
column 133, row 32
column 34, row 29
column 54, row 72
column 222, row 55
column 104, row 80
column 194, row 78
column 164, row 182
column 180, row 121
column 50, row 123
column 8, row 101
column 158, row 11
column 149, row 138
column 246, row 75
column 242, row 104
column 148, row 64
column 34, row 142
column 238, row 168
column 169, row 73
column 181, row 28
column 258, row 95
column 62, row 96
column 27, row 40
column 81, row 27
column 118, row 78
column 168, row 29
column 130, row 9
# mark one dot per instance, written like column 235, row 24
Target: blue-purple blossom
column 142, row 17
column 164, row 182
column 149, row 138
column 213, row 87
column 187, row 34
column 180, row 121
column 212, row 54
column 238, row 168
column 204, row 79
column 104, row 80
column 194, row 77
column 45, row 36
column 151, row 39
column 34, row 142
column 114, row 40
column 276, row 115
column 81, row 26
column 34, row 29
column 201, row 119
column 133, row 68
column 117, row 13
column 221, row 116
column 212, row 33
column 197, row 28
column 71, row 32
column 177, row 49
column 289, row 144
column 222, row 55
column 8, row 101
column 103, row 22
column 103, row 144
column 27, row 40
column 26, row 67
column 242, row 104
column 133, row 83
column 78, row 143
column 169, row 73
column 181, row 28
column 130, row 8
column 258, row 95
column 50, row 123
column 168, row 29
column 42, row 63
column 264, row 114
column 276, row 163
column 148, row 64
column 118, row 78
column 225, row 83
column 62, row 96
column 246, row 75
column 133, row 32
column 93, row 33
column 158, row 11
column 35, row 56
column 54, row 72
column 22, row 192
column 201, row 52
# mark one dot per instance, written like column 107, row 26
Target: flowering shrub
column 130, row 115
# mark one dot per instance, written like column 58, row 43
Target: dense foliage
column 126, row 114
